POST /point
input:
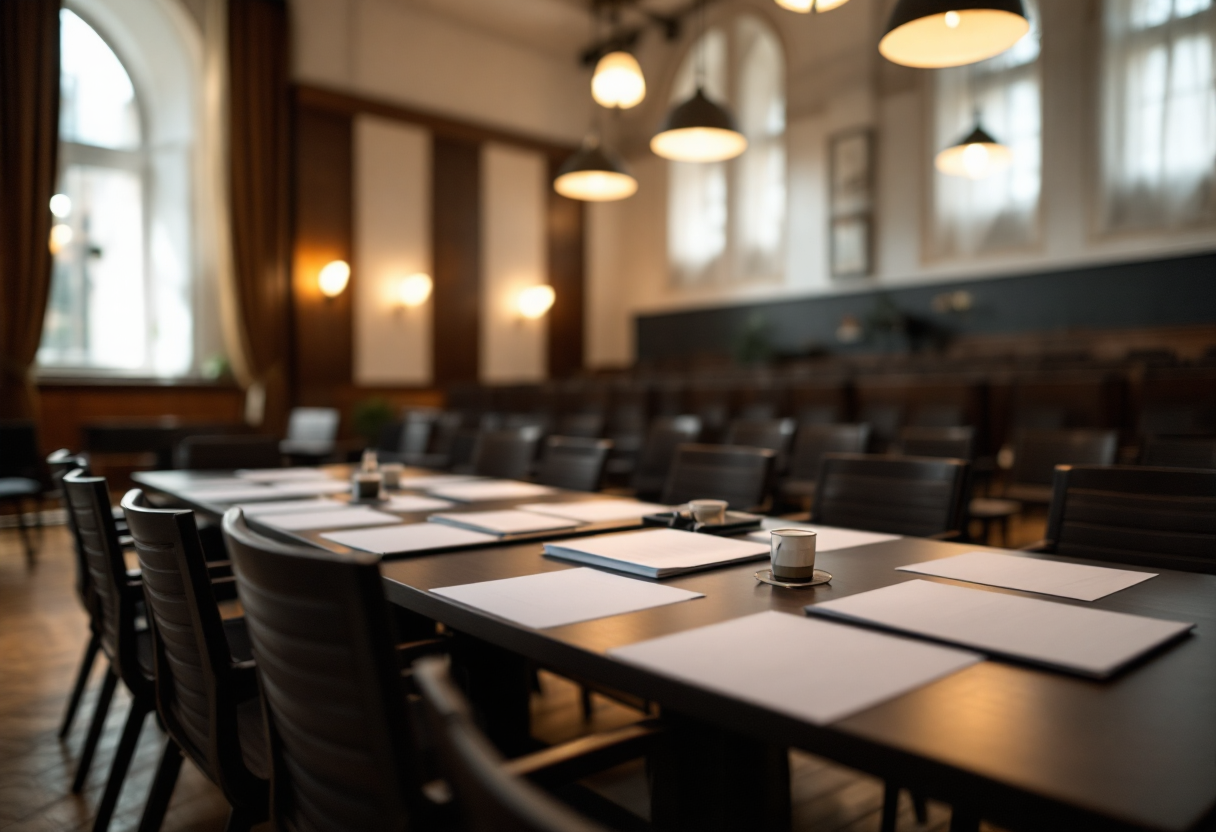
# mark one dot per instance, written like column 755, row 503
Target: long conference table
column 1018, row 745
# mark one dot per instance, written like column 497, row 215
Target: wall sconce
column 333, row 278
column 413, row 290
column 535, row 301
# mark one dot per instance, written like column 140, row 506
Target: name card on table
column 503, row 522
column 1046, row 577
column 408, row 537
column 659, row 553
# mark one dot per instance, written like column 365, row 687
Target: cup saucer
column 765, row 576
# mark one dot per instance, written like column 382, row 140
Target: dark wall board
column 1155, row 293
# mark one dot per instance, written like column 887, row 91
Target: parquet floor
column 42, row 636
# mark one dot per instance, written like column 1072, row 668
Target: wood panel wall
column 456, row 258
column 566, row 276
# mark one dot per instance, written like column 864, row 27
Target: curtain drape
column 29, row 144
column 259, row 189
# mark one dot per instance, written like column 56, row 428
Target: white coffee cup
column 391, row 471
column 708, row 511
column 793, row 554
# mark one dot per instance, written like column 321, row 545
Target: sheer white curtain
column 760, row 195
column 1158, row 114
column 1000, row 211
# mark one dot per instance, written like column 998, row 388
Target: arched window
column 726, row 220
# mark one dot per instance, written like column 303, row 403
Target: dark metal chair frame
column 736, row 473
column 573, row 462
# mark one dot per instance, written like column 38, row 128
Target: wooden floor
column 42, row 636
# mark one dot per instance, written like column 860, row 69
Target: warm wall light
column 930, row 34
column 535, row 301
column 61, row 235
column 805, row 6
column 413, row 290
column 333, row 278
column 618, row 81
column 61, row 205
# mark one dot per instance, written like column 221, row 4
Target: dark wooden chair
column 735, row 473
column 507, row 453
column 21, row 479
column 206, row 688
column 812, row 442
column 1162, row 518
column 947, row 442
column 574, row 463
column 1179, row 452
column 227, row 453
column 914, row 496
column 1036, row 453
column 775, row 434
column 654, row 462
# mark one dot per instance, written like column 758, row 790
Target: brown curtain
column 259, row 159
column 29, row 144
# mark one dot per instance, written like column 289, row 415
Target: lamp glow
column 594, row 173
column 618, row 81
column 333, row 278
column 699, row 130
column 414, row 289
column 807, row 6
column 975, row 157
column 931, row 34
column 61, row 235
column 535, row 301
column 61, row 205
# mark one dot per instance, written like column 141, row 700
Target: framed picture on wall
column 851, row 203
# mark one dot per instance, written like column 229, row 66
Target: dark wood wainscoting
column 456, row 258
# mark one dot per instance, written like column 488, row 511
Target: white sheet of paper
column 337, row 519
column 503, row 522
column 310, row 488
column 552, row 599
column 408, row 537
column 435, row 480
column 281, row 474
column 657, row 552
column 812, row 670
column 1081, row 640
column 292, row 506
column 596, row 511
column 410, row 502
column 484, row 490
column 233, row 494
column 827, row 538
column 1046, row 577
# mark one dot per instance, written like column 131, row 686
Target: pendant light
column 594, row 174
column 931, row 34
column 976, row 156
column 806, row 6
column 618, row 81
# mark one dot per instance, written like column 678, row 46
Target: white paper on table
column 827, row 538
column 484, row 490
column 503, row 522
column 1046, row 577
column 233, row 494
column 596, row 511
column 411, row 502
column 435, row 480
column 1082, row 640
column 308, row 488
column 337, row 519
column 657, row 553
column 291, row 506
column 808, row 669
column 408, row 537
column 553, row 599
column 281, row 474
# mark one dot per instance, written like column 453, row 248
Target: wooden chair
column 914, row 496
column 507, row 453
column 775, row 434
column 1036, row 453
column 1179, row 452
column 21, row 479
column 1162, row 518
column 574, row 463
column 227, row 453
column 665, row 435
column 812, row 442
column 735, row 473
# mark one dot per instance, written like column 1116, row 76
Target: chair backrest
column 885, row 420
column 665, row 435
column 488, row 797
column 1038, row 452
column 735, row 473
column 1179, row 452
column 774, row 434
column 507, row 453
column 585, row 425
column 573, row 462
column 227, row 453
column 915, row 496
column 61, row 463
column 340, row 746
column 814, row 440
column 417, row 427
column 447, row 425
column 19, row 454
column 1156, row 517
column 313, row 424
column 952, row 443
column 195, row 693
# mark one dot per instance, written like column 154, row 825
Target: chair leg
column 921, row 807
column 82, row 680
column 99, row 721
column 162, row 788
column 890, row 807
column 122, row 761
column 24, row 531
column 584, row 698
column 240, row 820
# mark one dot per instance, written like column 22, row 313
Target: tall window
column 726, row 220
column 1158, row 113
column 120, row 284
column 1000, row 211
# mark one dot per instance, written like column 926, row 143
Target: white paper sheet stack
column 658, row 553
column 1046, row 577
column 504, row 522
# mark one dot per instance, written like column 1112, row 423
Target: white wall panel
column 392, row 240
column 514, row 190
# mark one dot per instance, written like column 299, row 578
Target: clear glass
column 97, row 104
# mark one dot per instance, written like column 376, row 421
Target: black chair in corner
column 812, row 441
column 775, row 434
column 1179, row 452
column 1163, row 518
column 659, row 451
column 507, row 453
column 573, row 462
column 735, row 473
column 21, row 478
column 206, row 687
column 913, row 496
column 227, row 453
column 1036, row 453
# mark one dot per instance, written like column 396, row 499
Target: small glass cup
column 708, row 511
column 366, row 485
column 793, row 554
column 391, row 471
